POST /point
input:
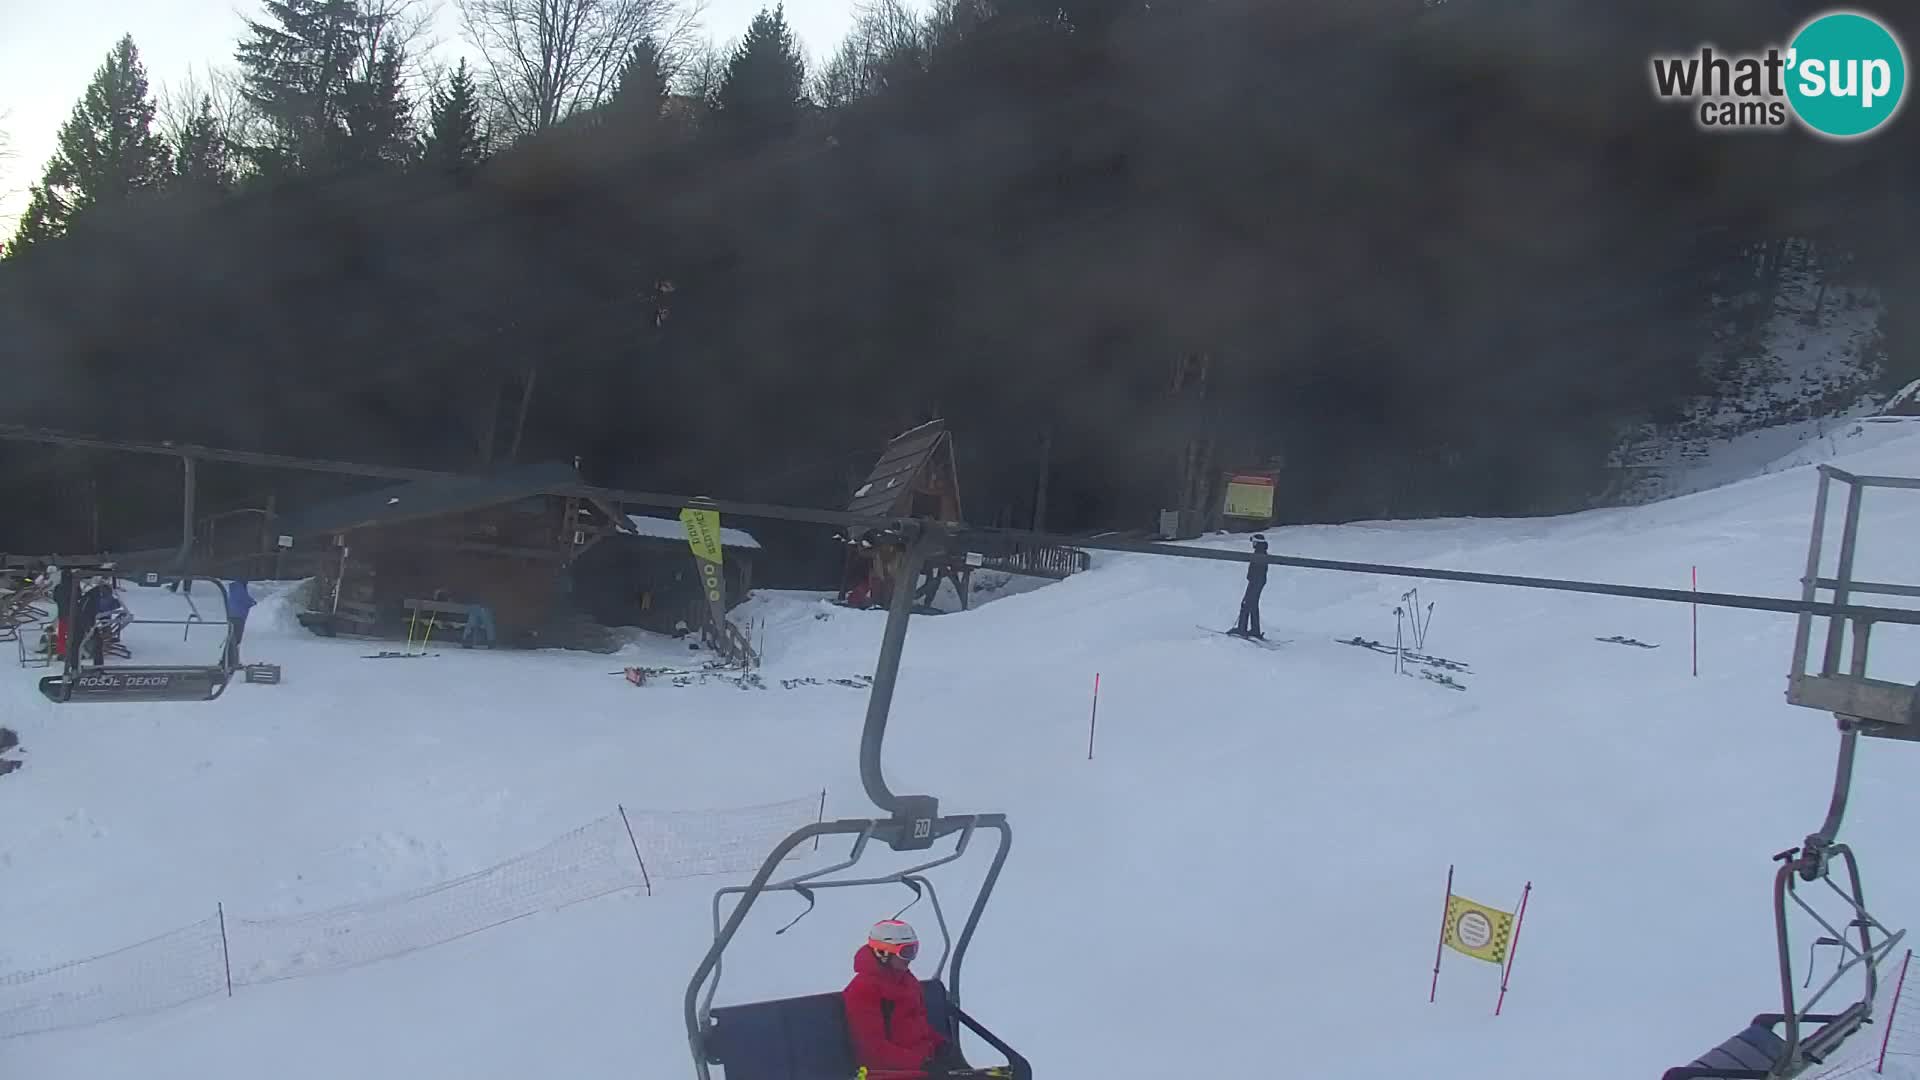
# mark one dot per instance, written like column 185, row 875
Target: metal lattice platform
column 1876, row 706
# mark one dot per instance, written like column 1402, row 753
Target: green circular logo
column 1847, row 74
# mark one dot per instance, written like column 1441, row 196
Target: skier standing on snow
column 1249, row 624
column 887, row 1009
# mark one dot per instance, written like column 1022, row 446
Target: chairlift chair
column 130, row 682
column 806, row 1038
column 1781, row 1045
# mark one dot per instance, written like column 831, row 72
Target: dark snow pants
column 1250, row 608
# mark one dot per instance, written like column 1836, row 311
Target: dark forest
column 1435, row 256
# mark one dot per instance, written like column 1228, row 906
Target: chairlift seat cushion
column 938, row 1017
column 1751, row 1052
column 798, row 1038
column 803, row 1038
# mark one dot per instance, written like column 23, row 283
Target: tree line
column 1430, row 258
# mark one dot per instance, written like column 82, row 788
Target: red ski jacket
column 887, row 1016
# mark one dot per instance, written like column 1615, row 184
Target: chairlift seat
column 137, row 684
column 1748, row 1055
column 800, row 1038
column 1754, row 1053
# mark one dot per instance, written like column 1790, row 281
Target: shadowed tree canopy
column 1435, row 257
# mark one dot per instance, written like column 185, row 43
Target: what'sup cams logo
column 1843, row 75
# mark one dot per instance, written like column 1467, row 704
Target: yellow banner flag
column 1479, row 931
column 703, row 535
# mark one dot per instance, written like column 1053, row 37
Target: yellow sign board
column 1477, row 930
column 1250, row 496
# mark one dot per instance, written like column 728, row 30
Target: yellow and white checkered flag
column 1477, row 930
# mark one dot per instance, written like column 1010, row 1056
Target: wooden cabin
column 504, row 540
column 646, row 575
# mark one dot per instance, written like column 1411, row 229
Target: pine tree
column 298, row 67
column 376, row 120
column 201, row 158
column 642, row 92
column 42, row 220
column 107, row 152
column 764, row 90
column 455, row 144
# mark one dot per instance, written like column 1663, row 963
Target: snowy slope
column 1246, row 880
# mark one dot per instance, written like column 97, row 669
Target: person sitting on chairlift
column 887, row 1009
column 94, row 619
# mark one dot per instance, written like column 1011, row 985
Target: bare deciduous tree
column 409, row 26
column 179, row 104
column 701, row 71
column 887, row 39
column 545, row 60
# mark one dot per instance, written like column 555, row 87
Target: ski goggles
column 906, row 951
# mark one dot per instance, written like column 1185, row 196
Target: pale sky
column 48, row 51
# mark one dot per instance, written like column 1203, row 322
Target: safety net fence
column 624, row 850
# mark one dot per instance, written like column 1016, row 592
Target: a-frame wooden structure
column 916, row 476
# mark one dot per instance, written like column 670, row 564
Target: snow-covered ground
column 1244, row 881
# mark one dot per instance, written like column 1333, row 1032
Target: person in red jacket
column 887, row 1010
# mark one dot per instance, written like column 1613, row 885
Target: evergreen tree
column 298, row 67
column 107, row 152
column 376, row 120
column 42, row 220
column 455, row 144
column 642, row 91
column 201, row 158
column 764, row 89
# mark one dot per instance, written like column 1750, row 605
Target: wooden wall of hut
column 507, row 558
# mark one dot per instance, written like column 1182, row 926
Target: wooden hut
column 646, row 575
column 400, row 555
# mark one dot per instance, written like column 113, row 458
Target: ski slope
column 1246, row 880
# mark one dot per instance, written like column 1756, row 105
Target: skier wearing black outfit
column 1249, row 624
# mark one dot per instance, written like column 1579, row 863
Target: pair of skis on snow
column 1248, row 638
column 1423, row 662
column 1434, row 669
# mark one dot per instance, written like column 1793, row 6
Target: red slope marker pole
column 1696, row 625
column 1441, row 948
column 1893, row 1010
column 1095, row 718
column 1513, row 947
